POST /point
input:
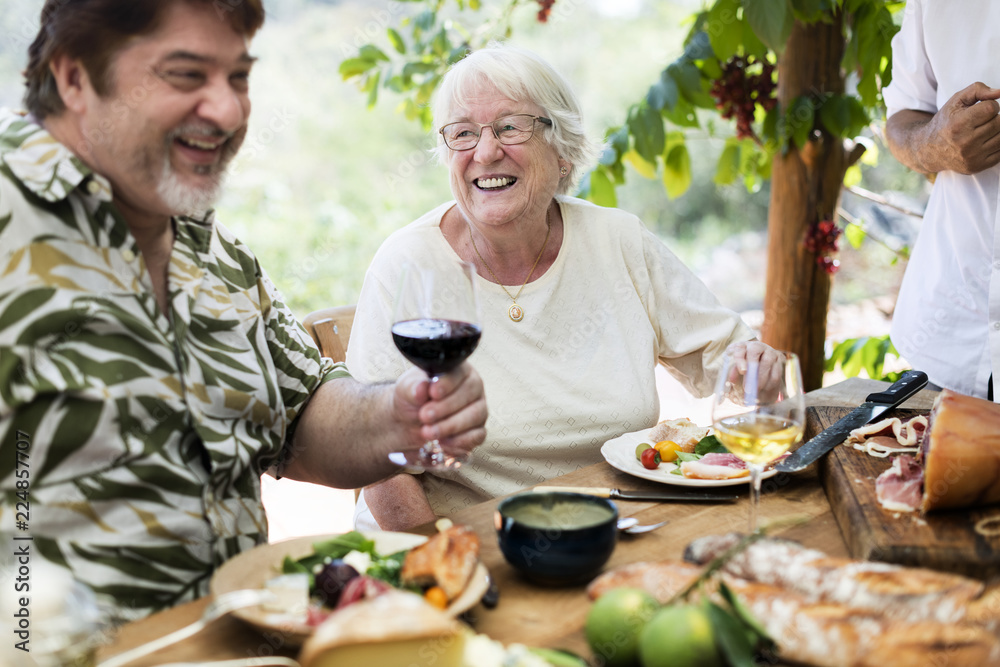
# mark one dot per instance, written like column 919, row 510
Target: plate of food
column 314, row 577
column 677, row 451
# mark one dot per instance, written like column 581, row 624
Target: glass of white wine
column 759, row 412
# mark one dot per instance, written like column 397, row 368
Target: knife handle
column 908, row 384
column 588, row 490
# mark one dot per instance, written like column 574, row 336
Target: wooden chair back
column 331, row 329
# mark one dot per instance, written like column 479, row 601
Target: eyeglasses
column 509, row 130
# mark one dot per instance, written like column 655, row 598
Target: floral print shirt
column 143, row 436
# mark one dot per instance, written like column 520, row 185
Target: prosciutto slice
column 715, row 466
column 891, row 433
column 900, row 488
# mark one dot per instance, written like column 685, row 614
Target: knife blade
column 875, row 406
column 620, row 494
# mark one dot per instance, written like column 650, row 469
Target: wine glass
column 758, row 413
column 435, row 325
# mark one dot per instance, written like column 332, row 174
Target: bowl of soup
column 556, row 538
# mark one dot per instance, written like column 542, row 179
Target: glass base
column 429, row 457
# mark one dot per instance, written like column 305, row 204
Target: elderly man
column 149, row 371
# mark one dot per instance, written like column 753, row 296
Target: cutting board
column 945, row 540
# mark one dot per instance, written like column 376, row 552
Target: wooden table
column 554, row 617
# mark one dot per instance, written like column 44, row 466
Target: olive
column 330, row 581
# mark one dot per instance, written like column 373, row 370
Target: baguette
column 904, row 593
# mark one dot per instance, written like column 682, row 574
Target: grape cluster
column 745, row 83
column 546, row 9
column 821, row 240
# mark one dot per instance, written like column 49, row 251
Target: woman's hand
column 768, row 362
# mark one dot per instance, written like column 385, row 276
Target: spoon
column 630, row 525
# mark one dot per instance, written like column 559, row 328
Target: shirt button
column 93, row 187
column 996, row 265
column 996, row 325
column 129, row 257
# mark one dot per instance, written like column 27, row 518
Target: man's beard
column 186, row 199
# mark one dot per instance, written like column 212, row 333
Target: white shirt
column 578, row 370
column 947, row 318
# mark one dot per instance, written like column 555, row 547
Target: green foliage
column 652, row 137
column 857, row 355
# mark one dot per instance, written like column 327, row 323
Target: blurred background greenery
column 322, row 180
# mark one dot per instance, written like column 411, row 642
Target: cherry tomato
column 640, row 448
column 668, row 450
column 650, row 459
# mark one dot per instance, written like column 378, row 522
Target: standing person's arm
column 963, row 136
column 348, row 429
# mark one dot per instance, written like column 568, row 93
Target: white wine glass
column 758, row 412
column 436, row 327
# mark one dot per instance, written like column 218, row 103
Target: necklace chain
column 515, row 312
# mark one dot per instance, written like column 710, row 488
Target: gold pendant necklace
column 515, row 312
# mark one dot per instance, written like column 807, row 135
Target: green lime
column 679, row 636
column 640, row 448
column 614, row 623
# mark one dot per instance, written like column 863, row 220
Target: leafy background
column 323, row 179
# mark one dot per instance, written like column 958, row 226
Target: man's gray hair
column 521, row 75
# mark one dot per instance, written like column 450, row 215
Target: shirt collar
column 42, row 164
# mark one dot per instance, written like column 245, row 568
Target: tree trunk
column 805, row 189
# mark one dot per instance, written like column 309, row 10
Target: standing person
column 578, row 303
column 149, row 370
column 942, row 120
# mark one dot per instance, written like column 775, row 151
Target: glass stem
column 755, row 474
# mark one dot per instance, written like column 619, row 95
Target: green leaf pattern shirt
column 148, row 434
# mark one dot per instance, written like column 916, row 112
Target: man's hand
column 963, row 136
column 450, row 409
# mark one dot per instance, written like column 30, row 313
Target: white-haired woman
column 578, row 302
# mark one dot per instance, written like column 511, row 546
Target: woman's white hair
column 521, row 75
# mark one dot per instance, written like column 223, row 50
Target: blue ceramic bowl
column 556, row 539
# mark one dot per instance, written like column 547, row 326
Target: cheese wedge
column 395, row 629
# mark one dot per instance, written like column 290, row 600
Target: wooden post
column 805, row 189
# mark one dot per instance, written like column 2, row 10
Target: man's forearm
column 907, row 133
column 345, row 435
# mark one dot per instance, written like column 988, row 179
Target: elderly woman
column 578, row 302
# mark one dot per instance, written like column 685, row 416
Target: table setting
column 550, row 611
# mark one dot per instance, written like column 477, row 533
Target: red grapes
column 821, row 240
column 745, row 83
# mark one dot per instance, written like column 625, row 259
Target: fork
column 220, row 606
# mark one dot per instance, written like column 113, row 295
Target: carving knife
column 619, row 494
column 875, row 406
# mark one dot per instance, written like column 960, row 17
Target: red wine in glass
column 436, row 327
column 436, row 346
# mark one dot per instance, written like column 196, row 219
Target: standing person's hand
column 451, row 409
column 963, row 136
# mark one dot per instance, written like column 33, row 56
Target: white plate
column 620, row 453
column 254, row 567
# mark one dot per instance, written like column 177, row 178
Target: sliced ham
column 894, row 430
column 715, row 466
column 900, row 488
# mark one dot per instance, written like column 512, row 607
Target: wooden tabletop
column 554, row 617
